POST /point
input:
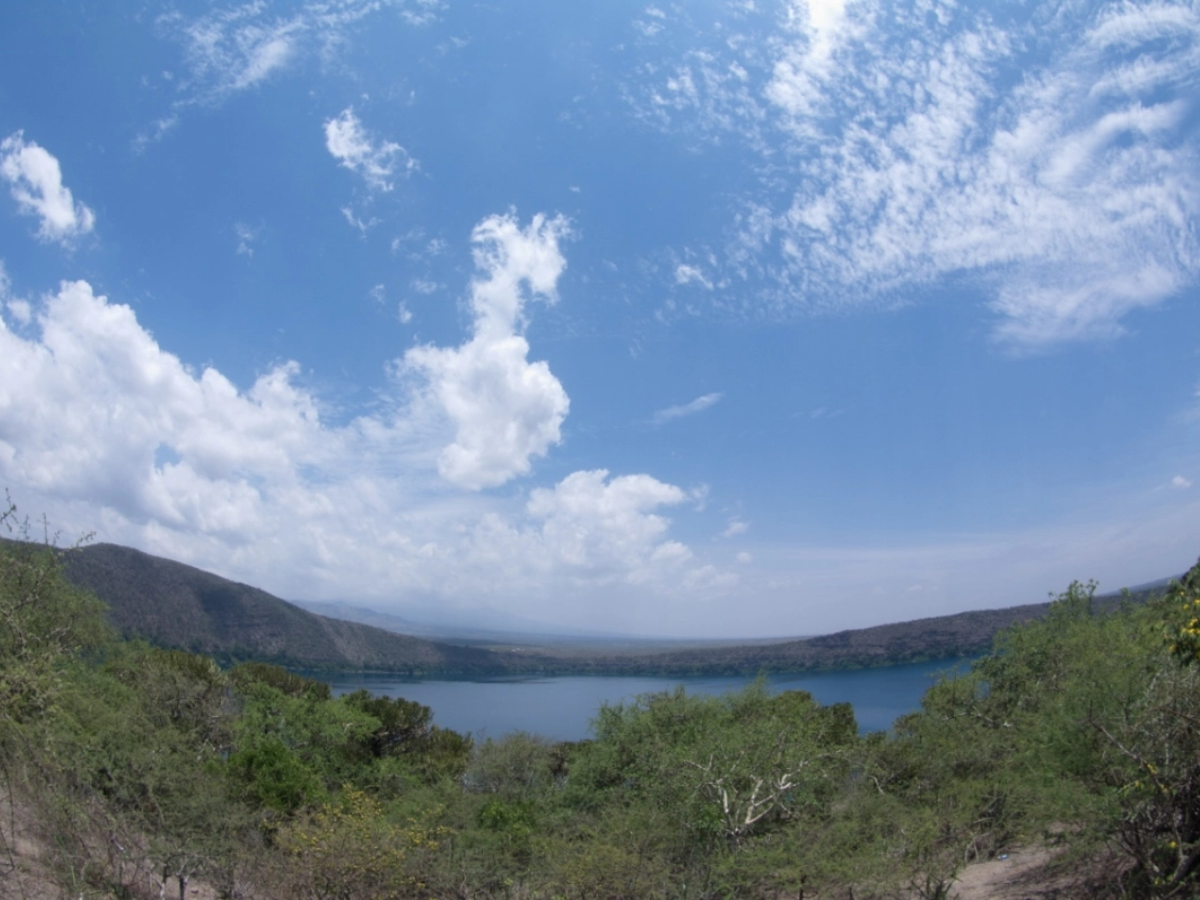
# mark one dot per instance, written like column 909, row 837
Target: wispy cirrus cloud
column 1047, row 155
column 687, row 409
column 247, row 235
column 36, row 183
column 238, row 47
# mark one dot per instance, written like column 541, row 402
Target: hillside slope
column 175, row 605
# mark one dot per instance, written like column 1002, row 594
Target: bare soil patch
column 1027, row 873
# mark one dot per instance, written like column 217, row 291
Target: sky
column 709, row 319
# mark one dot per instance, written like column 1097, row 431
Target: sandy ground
column 1023, row 874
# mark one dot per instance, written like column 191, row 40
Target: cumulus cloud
column 591, row 522
column 1180, row 483
column 20, row 309
column 103, row 429
column 1051, row 160
column 375, row 160
column 87, row 407
column 687, row 409
column 36, row 184
column 504, row 408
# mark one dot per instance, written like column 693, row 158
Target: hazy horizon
column 735, row 318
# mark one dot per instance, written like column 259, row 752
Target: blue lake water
column 562, row 708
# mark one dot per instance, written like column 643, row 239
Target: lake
column 562, row 708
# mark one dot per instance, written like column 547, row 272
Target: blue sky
column 706, row 319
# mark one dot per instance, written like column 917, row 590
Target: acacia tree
column 775, row 758
column 726, row 767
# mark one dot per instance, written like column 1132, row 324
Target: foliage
column 286, row 682
column 348, row 849
column 1183, row 599
column 44, row 621
column 149, row 769
column 519, row 766
column 725, row 767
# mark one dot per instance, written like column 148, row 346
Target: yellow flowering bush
column 1184, row 603
column 349, row 850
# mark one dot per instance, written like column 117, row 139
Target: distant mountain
column 489, row 627
column 175, row 605
column 959, row 635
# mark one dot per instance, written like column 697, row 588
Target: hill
column 941, row 637
column 175, row 605
column 171, row 604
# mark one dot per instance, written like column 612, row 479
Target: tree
column 349, row 850
column 723, row 767
column 44, row 622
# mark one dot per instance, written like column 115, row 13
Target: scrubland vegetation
column 130, row 771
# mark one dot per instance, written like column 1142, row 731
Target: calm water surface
column 562, row 708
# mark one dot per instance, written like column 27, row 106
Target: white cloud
column 1048, row 160
column 685, row 274
column 590, row 522
column 652, row 25
column 735, row 527
column 687, row 409
column 246, row 237
column 21, row 310
column 356, row 150
column 361, row 225
column 805, row 65
column 36, row 180
column 235, row 48
column 102, row 429
column 422, row 12
column 230, row 50
column 1180, row 483
column 86, row 407
column 155, row 133
column 238, row 47
column 504, row 408
column 1074, row 204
